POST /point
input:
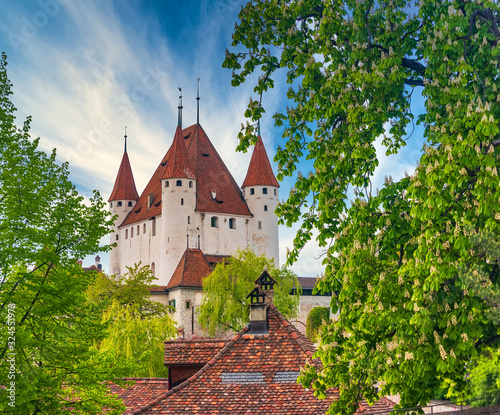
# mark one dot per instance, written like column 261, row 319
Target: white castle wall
column 264, row 238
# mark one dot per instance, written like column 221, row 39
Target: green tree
column 315, row 319
column 48, row 362
column 406, row 317
column 137, row 326
column 225, row 306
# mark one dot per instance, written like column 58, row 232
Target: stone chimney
column 260, row 299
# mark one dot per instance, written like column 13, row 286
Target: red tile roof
column 157, row 289
column 191, row 352
column 191, row 270
column 124, row 188
column 140, row 392
column 211, row 174
column 250, row 374
column 260, row 172
column 178, row 164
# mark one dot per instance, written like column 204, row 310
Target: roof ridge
column 191, row 379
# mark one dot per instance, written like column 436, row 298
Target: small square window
column 178, row 183
column 264, row 191
column 214, row 222
column 232, row 223
column 252, row 191
column 188, row 304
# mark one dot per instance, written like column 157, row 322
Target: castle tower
column 178, row 184
column 261, row 191
column 121, row 202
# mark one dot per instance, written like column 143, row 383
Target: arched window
column 264, row 190
column 144, row 228
column 178, row 183
column 138, row 230
column 190, row 183
column 119, row 204
column 153, row 268
column 275, row 192
column 130, row 204
column 265, row 208
column 189, row 220
column 214, row 221
column 167, row 184
column 126, row 233
column 182, row 202
column 153, row 226
column 232, row 223
column 111, row 204
column 132, row 232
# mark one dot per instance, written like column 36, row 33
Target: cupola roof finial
column 125, row 136
column 179, row 117
column 198, row 103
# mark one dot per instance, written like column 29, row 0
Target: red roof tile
column 124, row 188
column 260, row 172
column 191, row 352
column 211, row 174
column 191, row 270
column 157, row 289
column 140, row 392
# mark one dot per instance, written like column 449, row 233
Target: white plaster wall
column 306, row 304
column 265, row 240
column 122, row 211
column 222, row 240
column 175, row 225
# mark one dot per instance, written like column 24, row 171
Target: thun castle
column 191, row 215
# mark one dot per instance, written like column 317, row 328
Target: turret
column 121, row 202
column 261, row 191
column 178, row 206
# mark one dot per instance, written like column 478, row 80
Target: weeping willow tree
column 137, row 339
column 136, row 325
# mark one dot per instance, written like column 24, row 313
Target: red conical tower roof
column 178, row 163
column 260, row 172
column 124, row 188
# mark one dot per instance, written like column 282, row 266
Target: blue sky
column 85, row 70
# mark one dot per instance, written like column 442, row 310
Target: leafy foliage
column 49, row 329
column 316, row 318
column 225, row 306
column 136, row 325
column 408, row 316
column 485, row 379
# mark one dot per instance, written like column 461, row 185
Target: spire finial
column 125, row 139
column 198, row 103
column 179, row 117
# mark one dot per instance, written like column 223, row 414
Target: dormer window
column 151, row 199
column 214, row 194
column 264, row 191
column 178, row 183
